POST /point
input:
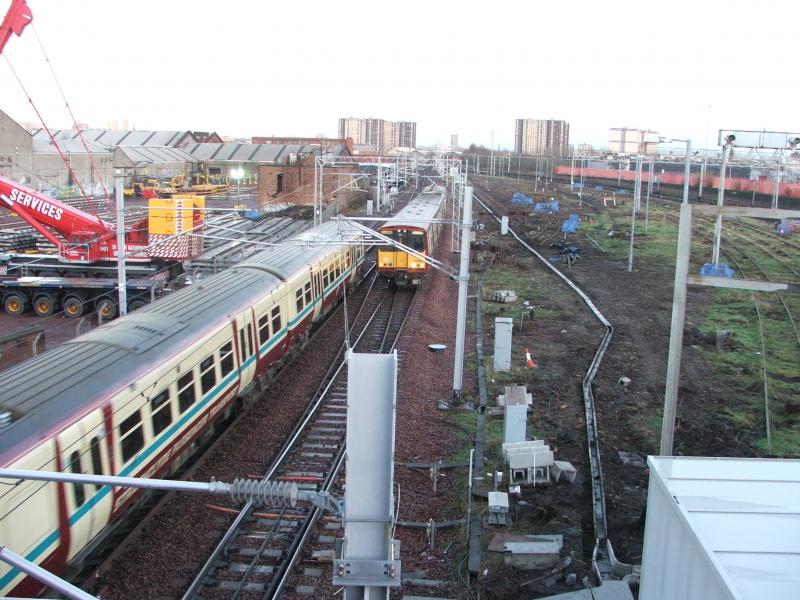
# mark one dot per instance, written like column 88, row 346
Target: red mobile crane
column 86, row 244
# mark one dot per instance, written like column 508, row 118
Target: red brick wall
column 298, row 182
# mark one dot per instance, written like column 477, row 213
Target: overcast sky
column 245, row 68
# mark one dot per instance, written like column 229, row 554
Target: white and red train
column 132, row 397
column 416, row 226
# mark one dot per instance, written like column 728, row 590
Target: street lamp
column 688, row 165
column 237, row 174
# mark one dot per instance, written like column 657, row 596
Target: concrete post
column 687, row 171
column 676, row 330
column 649, row 190
column 463, row 283
column 122, row 285
column 720, row 201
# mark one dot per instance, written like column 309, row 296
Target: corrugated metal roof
column 242, row 152
column 727, row 522
column 129, row 137
column 148, row 155
column 45, row 146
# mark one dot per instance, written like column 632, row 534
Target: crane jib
column 38, row 204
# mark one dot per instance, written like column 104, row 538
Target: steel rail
column 277, row 587
column 245, row 512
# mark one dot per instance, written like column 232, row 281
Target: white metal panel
column 515, row 423
column 369, row 497
column 503, row 327
column 722, row 528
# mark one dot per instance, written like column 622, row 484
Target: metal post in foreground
column 676, row 330
column 463, row 283
column 122, row 285
column 368, row 562
column 720, row 202
column 687, row 171
column 42, row 575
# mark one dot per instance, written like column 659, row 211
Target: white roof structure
column 722, row 528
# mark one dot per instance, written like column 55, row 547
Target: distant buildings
column 454, row 141
column 382, row 135
column 542, row 137
column 625, row 140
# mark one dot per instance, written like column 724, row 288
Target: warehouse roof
column 239, row 152
column 143, row 155
column 129, row 137
column 45, row 146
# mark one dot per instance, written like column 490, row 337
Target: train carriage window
column 276, row 320
column 97, row 461
column 308, row 293
column 185, row 391
column 77, row 488
column 250, row 338
column 417, row 240
column 226, row 358
column 263, row 329
column 208, row 375
column 131, row 436
column 299, row 299
column 325, row 279
column 161, row 412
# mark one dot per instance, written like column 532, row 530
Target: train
column 136, row 397
column 416, row 226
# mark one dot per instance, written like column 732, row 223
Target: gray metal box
column 502, row 343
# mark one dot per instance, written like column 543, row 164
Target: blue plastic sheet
column 711, row 270
column 519, row 198
column 784, row 228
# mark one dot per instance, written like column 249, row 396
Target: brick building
column 293, row 182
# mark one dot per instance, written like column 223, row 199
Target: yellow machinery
column 168, row 218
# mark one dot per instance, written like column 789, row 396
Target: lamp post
column 237, row 174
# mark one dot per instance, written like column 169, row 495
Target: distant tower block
column 502, row 343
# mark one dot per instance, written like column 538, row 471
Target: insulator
column 264, row 492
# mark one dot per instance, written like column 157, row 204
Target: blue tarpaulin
column 519, row 198
column 571, row 224
column 599, row 188
column 622, row 192
column 711, row 270
column 784, row 227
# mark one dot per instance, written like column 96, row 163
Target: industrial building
column 383, row 135
column 541, row 137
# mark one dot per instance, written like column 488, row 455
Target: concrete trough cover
column 437, row 347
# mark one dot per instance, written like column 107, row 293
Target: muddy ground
column 639, row 306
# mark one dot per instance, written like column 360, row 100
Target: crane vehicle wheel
column 15, row 304
column 73, row 306
column 135, row 304
column 44, row 305
column 106, row 308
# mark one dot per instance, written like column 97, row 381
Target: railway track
column 257, row 556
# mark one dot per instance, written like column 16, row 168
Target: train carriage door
column 247, row 349
column 319, row 291
column 88, row 505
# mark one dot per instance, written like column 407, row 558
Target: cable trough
column 604, row 563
